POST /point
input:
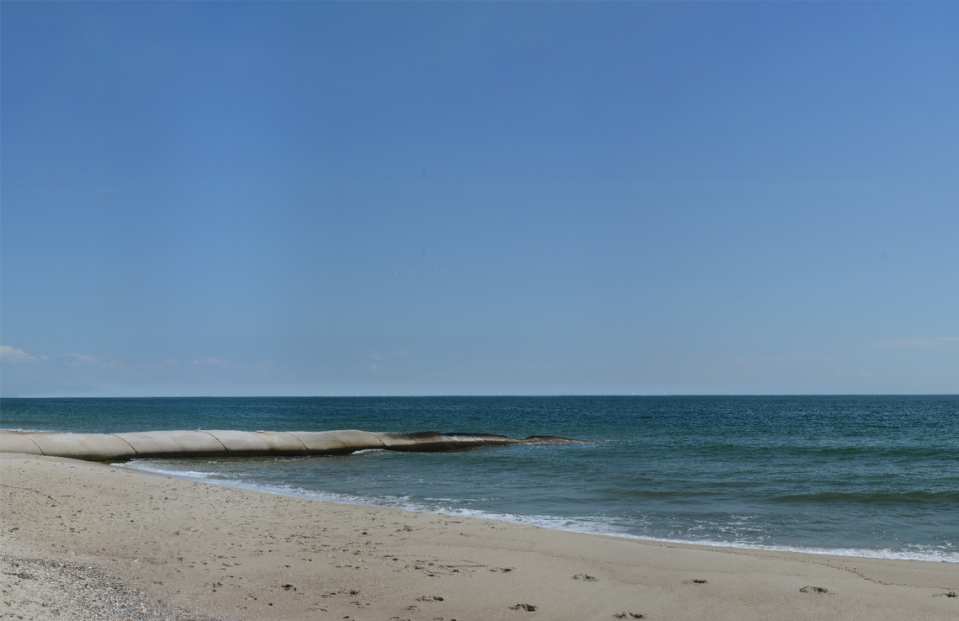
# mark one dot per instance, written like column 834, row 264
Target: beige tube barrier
column 122, row 446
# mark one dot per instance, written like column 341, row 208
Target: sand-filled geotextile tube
column 199, row 443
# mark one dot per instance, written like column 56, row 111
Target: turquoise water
column 866, row 476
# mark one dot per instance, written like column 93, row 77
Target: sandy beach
column 180, row 549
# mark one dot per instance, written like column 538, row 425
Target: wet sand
column 234, row 554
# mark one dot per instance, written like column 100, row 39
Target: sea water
column 855, row 475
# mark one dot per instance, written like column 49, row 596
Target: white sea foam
column 192, row 475
column 605, row 526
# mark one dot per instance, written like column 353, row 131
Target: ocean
column 873, row 476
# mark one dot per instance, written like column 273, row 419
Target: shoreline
column 549, row 522
column 233, row 553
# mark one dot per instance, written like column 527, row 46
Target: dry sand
column 233, row 554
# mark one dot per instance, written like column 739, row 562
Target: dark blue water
column 870, row 475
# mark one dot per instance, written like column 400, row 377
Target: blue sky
column 479, row 198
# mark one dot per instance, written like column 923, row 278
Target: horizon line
column 470, row 395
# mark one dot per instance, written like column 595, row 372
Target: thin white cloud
column 77, row 359
column 919, row 342
column 210, row 360
column 12, row 354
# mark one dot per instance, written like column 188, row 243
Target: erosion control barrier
column 200, row 443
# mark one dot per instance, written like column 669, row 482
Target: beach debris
column 628, row 615
column 429, row 598
column 526, row 607
column 73, row 591
column 22, row 575
column 817, row 590
column 947, row 594
column 504, row 570
column 696, row 581
column 586, row 577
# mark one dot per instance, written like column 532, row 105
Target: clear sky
column 479, row 198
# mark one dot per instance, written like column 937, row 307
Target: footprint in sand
column 586, row 577
column 816, row 590
column 628, row 615
column 526, row 607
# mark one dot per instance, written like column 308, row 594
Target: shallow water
column 869, row 476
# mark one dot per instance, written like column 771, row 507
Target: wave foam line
column 576, row 525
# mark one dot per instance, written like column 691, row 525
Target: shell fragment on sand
column 122, row 446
